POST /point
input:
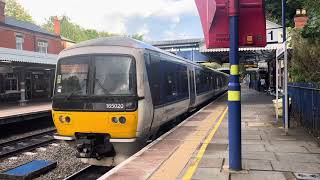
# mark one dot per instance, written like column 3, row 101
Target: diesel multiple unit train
column 113, row 94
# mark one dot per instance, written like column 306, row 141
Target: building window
column 19, row 42
column 43, row 47
column 11, row 82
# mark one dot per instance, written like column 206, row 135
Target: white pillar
column 277, row 87
column 286, row 103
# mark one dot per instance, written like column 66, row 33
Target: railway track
column 26, row 143
column 89, row 173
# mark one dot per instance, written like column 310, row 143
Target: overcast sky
column 156, row 19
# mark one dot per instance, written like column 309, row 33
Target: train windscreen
column 114, row 75
column 72, row 76
column 99, row 75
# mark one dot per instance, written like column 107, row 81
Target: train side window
column 183, row 81
column 198, row 81
column 152, row 65
column 170, row 81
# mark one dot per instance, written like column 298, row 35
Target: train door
column 192, row 88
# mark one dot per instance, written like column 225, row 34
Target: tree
column 77, row 33
column 14, row 9
column 68, row 29
column 305, row 63
column 137, row 37
column 274, row 10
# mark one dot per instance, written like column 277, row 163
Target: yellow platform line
column 193, row 167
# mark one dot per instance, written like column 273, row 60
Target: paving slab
column 298, row 157
column 286, row 148
column 219, row 141
column 210, row 174
column 257, row 165
column 258, row 175
column 296, row 167
column 249, row 164
column 217, row 147
column 314, row 149
column 253, row 148
column 259, row 155
column 254, row 142
column 252, row 137
column 211, row 163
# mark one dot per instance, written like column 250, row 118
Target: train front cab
column 102, row 122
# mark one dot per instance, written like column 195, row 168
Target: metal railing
column 305, row 106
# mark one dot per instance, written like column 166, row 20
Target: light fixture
column 122, row 120
column 114, row 119
column 67, row 119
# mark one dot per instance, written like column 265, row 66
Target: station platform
column 198, row 147
column 16, row 113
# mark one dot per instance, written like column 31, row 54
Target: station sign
column 280, row 51
column 214, row 15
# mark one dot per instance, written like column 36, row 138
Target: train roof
column 114, row 41
column 123, row 41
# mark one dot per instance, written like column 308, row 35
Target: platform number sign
column 274, row 35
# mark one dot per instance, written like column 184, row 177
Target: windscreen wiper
column 70, row 95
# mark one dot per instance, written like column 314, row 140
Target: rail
column 89, row 172
column 26, row 143
column 305, row 107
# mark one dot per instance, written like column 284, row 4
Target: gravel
column 60, row 152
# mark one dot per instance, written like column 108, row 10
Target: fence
column 305, row 98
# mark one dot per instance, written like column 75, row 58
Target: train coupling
column 96, row 146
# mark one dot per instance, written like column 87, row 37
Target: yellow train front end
column 95, row 105
column 118, row 125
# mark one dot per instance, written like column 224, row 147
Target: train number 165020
column 114, row 106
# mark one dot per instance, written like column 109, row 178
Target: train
column 112, row 95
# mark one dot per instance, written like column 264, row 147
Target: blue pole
column 284, row 20
column 234, row 102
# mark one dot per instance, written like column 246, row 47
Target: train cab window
column 114, row 75
column 72, row 76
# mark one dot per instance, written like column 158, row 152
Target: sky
column 155, row 19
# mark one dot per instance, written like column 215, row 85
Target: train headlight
column 115, row 119
column 61, row 119
column 122, row 120
column 67, row 119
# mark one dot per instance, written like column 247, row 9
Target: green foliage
column 137, row 37
column 77, row 33
column 14, row 9
column 305, row 62
column 312, row 30
column 274, row 10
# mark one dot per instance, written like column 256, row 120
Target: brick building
column 28, row 54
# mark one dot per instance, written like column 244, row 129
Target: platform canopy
column 14, row 55
column 275, row 46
